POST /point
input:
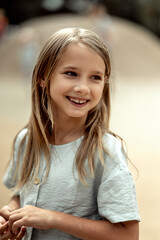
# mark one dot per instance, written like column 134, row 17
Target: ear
column 43, row 83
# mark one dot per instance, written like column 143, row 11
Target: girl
column 69, row 172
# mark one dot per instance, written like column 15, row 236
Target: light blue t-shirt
column 110, row 194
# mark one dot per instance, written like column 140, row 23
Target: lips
column 78, row 101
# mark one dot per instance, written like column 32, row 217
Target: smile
column 78, row 101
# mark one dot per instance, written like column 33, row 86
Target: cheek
column 99, row 93
column 54, row 88
column 53, row 92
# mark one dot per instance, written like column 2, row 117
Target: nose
column 82, row 87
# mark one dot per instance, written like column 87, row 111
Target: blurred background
column 131, row 30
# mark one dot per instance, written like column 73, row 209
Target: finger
column 18, row 236
column 17, row 225
column 13, row 219
column 4, row 227
column 13, row 238
column 7, row 235
column 5, row 212
column 2, row 220
column 15, row 211
column 21, row 234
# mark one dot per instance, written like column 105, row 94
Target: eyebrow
column 75, row 68
column 70, row 67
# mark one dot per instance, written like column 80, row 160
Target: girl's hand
column 5, row 213
column 30, row 216
column 4, row 228
column 6, row 234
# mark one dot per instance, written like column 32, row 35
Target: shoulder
column 111, row 142
column 19, row 137
column 115, row 151
column 9, row 179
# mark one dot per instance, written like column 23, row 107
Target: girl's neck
column 68, row 132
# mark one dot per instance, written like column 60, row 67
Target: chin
column 77, row 115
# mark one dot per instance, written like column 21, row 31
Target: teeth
column 78, row 101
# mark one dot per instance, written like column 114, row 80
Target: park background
column 131, row 30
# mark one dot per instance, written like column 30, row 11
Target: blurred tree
column 149, row 14
column 144, row 12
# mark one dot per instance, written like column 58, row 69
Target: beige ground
column 135, row 114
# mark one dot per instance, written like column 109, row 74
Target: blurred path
column 135, row 104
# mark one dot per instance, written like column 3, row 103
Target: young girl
column 68, row 171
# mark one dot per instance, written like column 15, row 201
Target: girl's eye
column 96, row 77
column 70, row 73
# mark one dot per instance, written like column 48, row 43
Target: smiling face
column 77, row 83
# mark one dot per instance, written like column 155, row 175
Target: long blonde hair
column 40, row 125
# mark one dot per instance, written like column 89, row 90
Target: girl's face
column 77, row 83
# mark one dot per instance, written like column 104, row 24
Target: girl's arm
column 82, row 228
column 95, row 229
column 88, row 229
column 14, row 203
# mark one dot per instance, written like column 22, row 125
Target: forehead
column 79, row 53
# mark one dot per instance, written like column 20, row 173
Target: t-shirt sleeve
column 116, row 195
column 8, row 179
